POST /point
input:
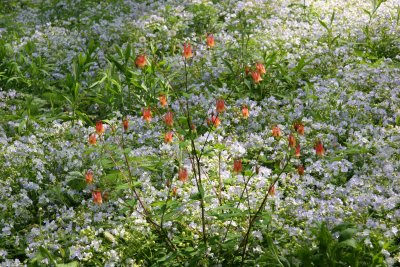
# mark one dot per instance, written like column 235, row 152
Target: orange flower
column 100, row 127
column 297, row 152
column 125, row 124
column 260, row 68
column 276, row 131
column 220, row 105
column 300, row 170
column 163, row 100
column 319, row 148
column 271, row 191
column 292, row 140
column 169, row 118
column 247, row 70
column 140, row 61
column 147, row 114
column 168, row 137
column 210, row 40
column 92, row 139
column 187, row 51
column 299, row 127
column 183, row 174
column 237, row 165
column 89, row 177
column 256, row 76
column 174, row 191
column 97, row 198
column 214, row 121
column 245, row 112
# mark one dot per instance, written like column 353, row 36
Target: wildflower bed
column 200, row 133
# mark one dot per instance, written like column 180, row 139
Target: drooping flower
column 140, row 61
column 187, row 51
column 245, row 112
column 92, row 138
column 97, row 198
column 297, row 152
column 174, row 191
column 220, row 106
column 210, row 40
column 168, row 137
column 299, row 128
column 183, row 174
column 271, row 191
column 319, row 148
column 260, row 68
column 247, row 70
column 147, row 114
column 276, row 131
column 125, row 124
column 100, row 127
column 214, row 121
column 163, row 100
column 300, row 170
column 89, row 176
column 169, row 118
column 292, row 140
column 256, row 76
column 106, row 196
column 237, row 165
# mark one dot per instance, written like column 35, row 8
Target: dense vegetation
column 199, row 133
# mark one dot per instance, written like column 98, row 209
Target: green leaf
column 349, row 243
column 69, row 264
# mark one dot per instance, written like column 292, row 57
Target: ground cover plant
column 200, row 133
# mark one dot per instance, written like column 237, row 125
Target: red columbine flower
column 89, row 177
column 292, row 140
column 300, row 169
column 147, row 114
column 297, row 152
column 141, row 61
column 210, row 40
column 125, row 124
column 276, row 131
column 97, row 198
column 220, row 105
column 260, row 68
column 168, row 137
column 271, row 191
column 237, row 165
column 214, row 121
column 256, row 76
column 92, row 139
column 100, row 127
column 319, row 148
column 245, row 112
column 163, row 100
column 183, row 174
column 299, row 127
column 187, row 51
column 246, row 70
column 169, row 118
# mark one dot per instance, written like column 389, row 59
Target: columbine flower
column 141, row 61
column 276, row 131
column 297, row 152
column 300, row 169
column 168, row 137
column 100, row 127
column 183, row 174
column 97, row 198
column 256, row 76
column 125, row 124
column 247, row 70
column 271, row 191
column 220, row 106
column 299, row 127
column 147, row 114
column 163, row 100
column 210, row 40
column 92, row 138
column 237, row 165
column 89, row 177
column 260, row 68
column 292, row 140
column 187, row 51
column 319, row 148
column 214, row 121
column 169, row 118
column 174, row 191
column 245, row 112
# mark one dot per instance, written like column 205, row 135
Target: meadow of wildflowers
column 200, row 133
